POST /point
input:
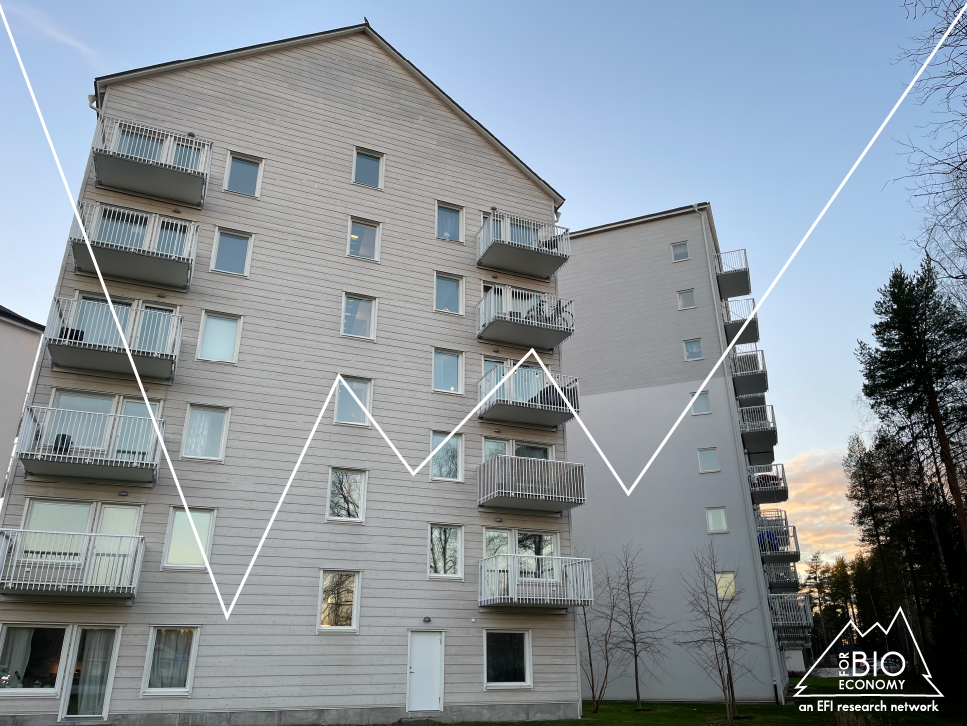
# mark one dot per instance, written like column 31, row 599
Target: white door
column 424, row 689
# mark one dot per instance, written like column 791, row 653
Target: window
column 447, row 371
column 347, row 492
column 244, row 175
column 679, row 251
column 532, row 451
column 715, row 518
column 219, row 337
column 231, row 253
column 449, row 221
column 708, row 460
column 364, row 239
column 533, row 548
column 508, row 658
column 181, row 549
column 170, row 664
column 449, row 294
column 686, row 299
column 92, row 670
column 368, row 169
column 30, row 657
column 725, row 585
column 448, row 461
column 523, row 449
column 348, row 411
column 446, row 552
column 494, row 448
column 206, row 431
column 701, row 404
column 359, row 316
column 693, row 349
column 338, row 602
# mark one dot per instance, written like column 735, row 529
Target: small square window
column 708, row 460
column 725, row 585
column 359, row 316
column 348, row 411
column 701, row 404
column 494, row 448
column 679, row 251
column 347, row 495
column 231, row 253
column 363, row 239
column 693, row 349
column 446, row 371
column 181, row 549
column 686, row 299
column 368, row 171
column 448, row 461
column 508, row 659
column 448, row 222
column 170, row 665
column 448, row 297
column 446, row 551
column 205, row 432
column 244, row 176
column 715, row 518
column 219, row 337
column 339, row 602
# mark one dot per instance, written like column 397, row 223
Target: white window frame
column 707, row 398
column 675, row 244
column 54, row 692
column 208, row 543
column 369, row 223
column 685, row 350
column 709, row 471
column 94, row 518
column 708, row 521
column 679, row 293
column 460, row 373
column 462, row 224
column 228, row 172
column 429, row 540
column 248, row 255
column 368, row 403
column 201, row 336
column 462, row 301
column 72, row 659
column 735, row 585
column 342, row 316
column 357, row 589
column 184, row 434
column 460, row 459
column 528, row 662
column 361, row 519
column 146, row 691
column 382, row 166
column 512, row 538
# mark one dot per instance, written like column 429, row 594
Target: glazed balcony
column 791, row 610
column 81, row 335
column 749, row 375
column 535, row 581
column 525, row 246
column 69, row 563
column 524, row 318
column 533, row 484
column 734, row 314
column 768, row 484
column 527, row 397
column 782, row 577
column 758, row 427
column 732, row 271
column 133, row 245
column 151, row 162
column 777, row 541
column 90, row 446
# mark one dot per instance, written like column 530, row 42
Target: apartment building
column 268, row 218
column 19, row 341
column 674, row 302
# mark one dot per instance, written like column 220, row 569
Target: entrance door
column 424, row 686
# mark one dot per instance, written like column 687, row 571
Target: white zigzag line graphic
column 628, row 490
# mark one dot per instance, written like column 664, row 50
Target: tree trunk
column 948, row 462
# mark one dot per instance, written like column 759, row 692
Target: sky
column 625, row 108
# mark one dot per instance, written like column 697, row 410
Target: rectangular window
column 449, row 222
column 701, row 404
column 725, row 585
column 494, row 448
column 347, row 492
column 447, row 462
column 715, row 518
column 708, row 460
column 497, row 542
column 231, row 253
column 693, row 349
column 348, row 411
column 446, row 551
column 364, row 239
column 535, row 547
column 30, row 657
column 679, row 251
column 170, row 665
column 508, row 658
column 368, row 169
column 531, row 451
column 447, row 371
column 359, row 316
column 206, row 431
column 449, row 294
column 181, row 549
column 219, row 337
column 339, row 602
column 244, row 175
column 686, row 299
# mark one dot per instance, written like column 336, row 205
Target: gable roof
column 102, row 82
column 19, row 320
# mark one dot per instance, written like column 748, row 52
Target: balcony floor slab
column 751, row 384
column 530, row 504
column 521, row 413
column 523, row 334
column 69, row 468
column 530, row 261
column 779, row 557
column 110, row 360
column 769, row 496
column 160, row 181
column 751, row 334
column 760, row 441
column 735, row 283
column 132, row 264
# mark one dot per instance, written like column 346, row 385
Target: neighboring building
column 19, row 338
column 658, row 303
column 267, row 218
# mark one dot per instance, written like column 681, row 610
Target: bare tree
column 711, row 638
column 600, row 657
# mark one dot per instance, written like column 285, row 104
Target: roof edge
column 19, row 320
column 676, row 212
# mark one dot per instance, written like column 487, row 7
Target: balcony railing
column 758, row 427
column 533, row 484
column 732, row 270
column 782, row 576
column 526, row 246
column 748, row 368
column 82, row 334
column 70, row 563
column 150, row 161
column 768, row 484
column 98, row 446
column 535, row 581
column 135, row 245
column 777, row 541
column 524, row 318
column 791, row 610
column 528, row 396
column 734, row 314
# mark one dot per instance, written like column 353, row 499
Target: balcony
column 525, row 246
column 535, row 581
column 734, row 314
column 90, row 446
column 69, row 563
column 749, row 375
column 761, row 458
column 782, row 577
column 133, row 245
column 527, row 397
column 791, row 611
column 777, row 540
column 732, row 271
column 768, row 484
column 532, row 484
column 81, row 335
column 151, row 162
column 758, row 427
column 754, row 399
column 524, row 318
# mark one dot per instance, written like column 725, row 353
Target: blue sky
column 759, row 108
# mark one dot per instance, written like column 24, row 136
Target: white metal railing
column 777, row 539
column 747, row 362
column 782, row 573
column 791, row 610
column 528, row 387
column 34, row 560
column 517, row 305
column 153, row 145
column 82, row 437
column 737, row 309
column 511, row 229
column 130, row 229
column 89, row 324
column 757, row 418
column 515, row 476
column 768, row 478
column 732, row 261
column 771, row 517
column 535, row 580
